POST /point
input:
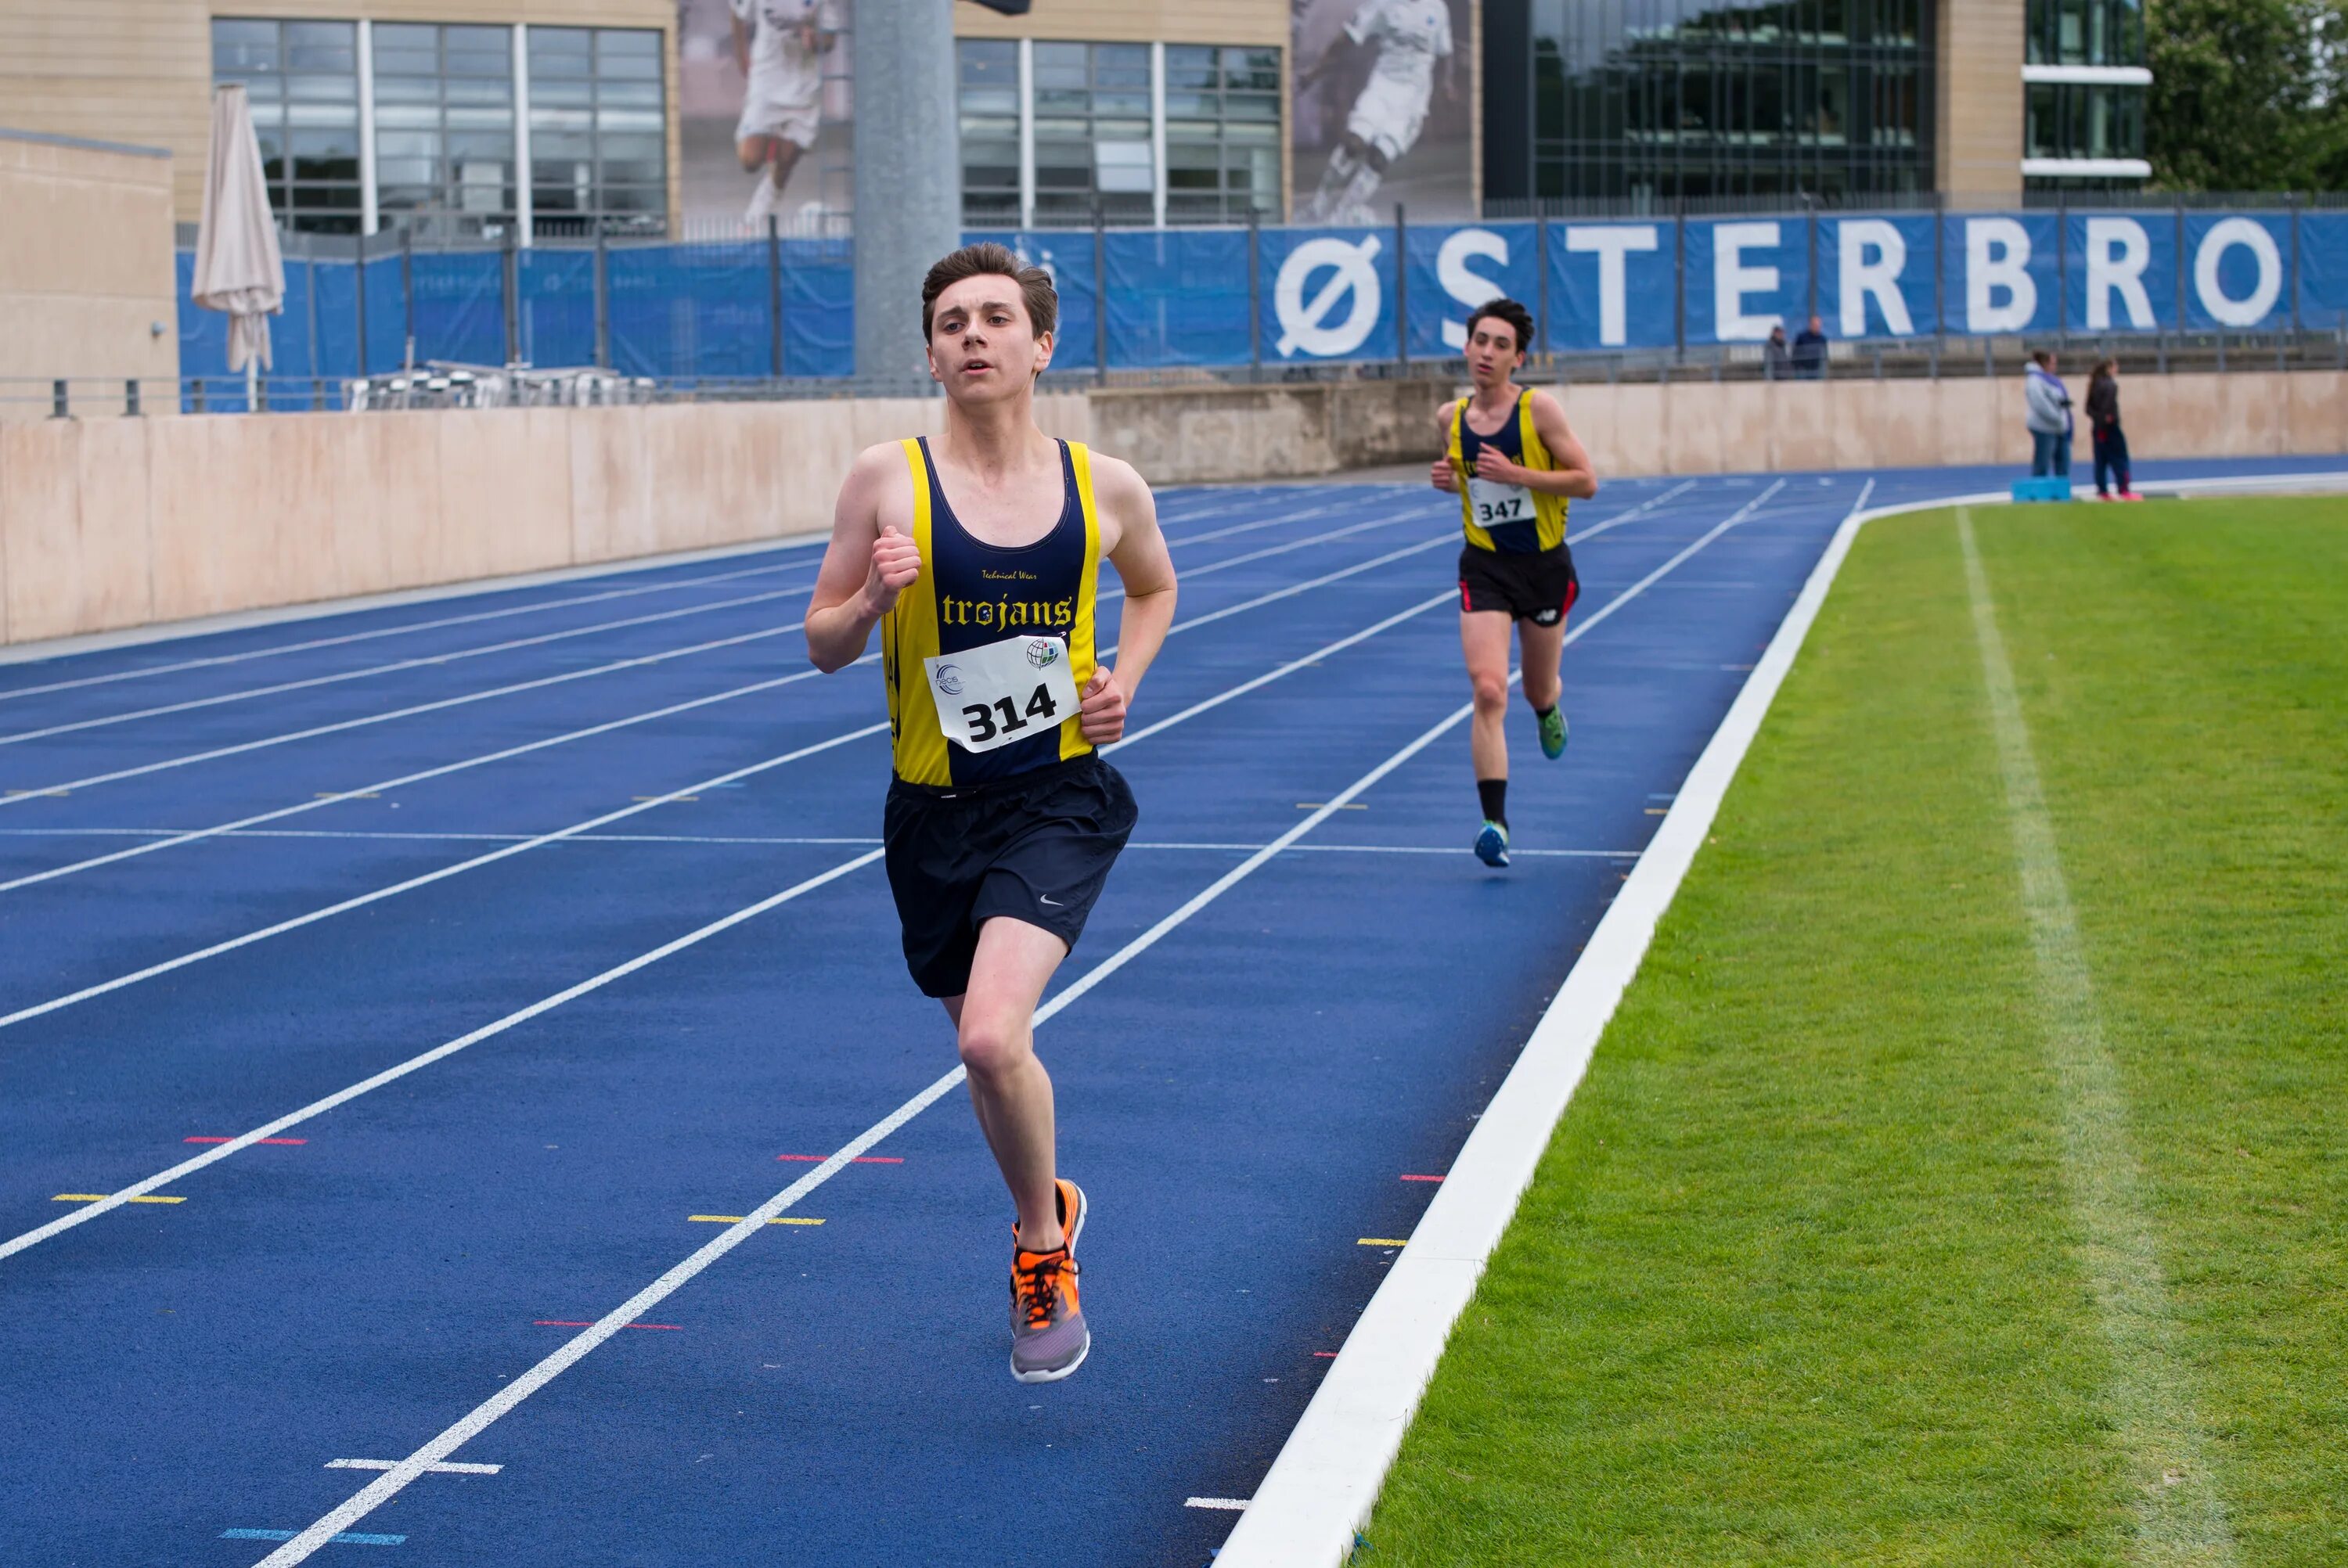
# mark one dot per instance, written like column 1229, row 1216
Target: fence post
column 1101, row 297
column 510, row 286
column 1540, row 265
column 407, row 294
column 775, row 291
column 2295, row 324
column 2063, row 268
column 1256, row 292
column 1811, row 300
column 1679, row 278
column 603, row 301
column 2183, row 267
column 1939, row 275
column 130, row 396
column 1402, row 290
column 58, row 401
column 358, row 285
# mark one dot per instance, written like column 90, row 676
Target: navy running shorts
column 1539, row 588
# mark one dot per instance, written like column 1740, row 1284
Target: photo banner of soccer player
column 763, row 112
column 1383, row 90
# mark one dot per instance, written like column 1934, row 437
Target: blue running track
column 247, row 872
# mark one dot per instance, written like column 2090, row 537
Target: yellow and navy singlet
column 1521, row 442
column 972, row 593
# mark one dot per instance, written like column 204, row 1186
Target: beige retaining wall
column 113, row 522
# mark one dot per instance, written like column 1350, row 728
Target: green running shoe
column 1552, row 733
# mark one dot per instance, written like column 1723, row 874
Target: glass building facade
column 1640, row 101
column 2083, row 117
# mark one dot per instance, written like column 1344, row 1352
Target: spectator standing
column 1810, row 351
column 1776, row 364
column 2047, row 412
column 2104, row 430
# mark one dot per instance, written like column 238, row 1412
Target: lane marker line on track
column 453, row 1467
column 1223, row 1502
column 389, row 1485
column 738, row 1219
column 545, row 1004
column 552, row 1323
column 347, row 1538
column 2180, row 1513
column 1380, row 1241
column 670, row 709
column 203, row 1138
column 860, row 1159
column 421, row 662
column 648, row 803
column 317, row 642
column 100, row 1197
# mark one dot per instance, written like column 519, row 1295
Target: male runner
column 1410, row 36
column 975, row 553
column 779, row 44
column 1514, row 467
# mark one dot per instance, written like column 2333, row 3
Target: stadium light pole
column 908, row 181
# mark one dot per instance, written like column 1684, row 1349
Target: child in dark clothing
column 2104, row 425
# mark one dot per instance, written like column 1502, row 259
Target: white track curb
column 1321, row 1489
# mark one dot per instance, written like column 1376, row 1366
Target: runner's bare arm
column 1130, row 535
column 1574, row 476
column 866, row 564
column 1440, row 473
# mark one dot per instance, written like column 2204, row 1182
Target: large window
column 1653, row 101
column 1088, row 112
column 2076, row 119
column 443, row 120
column 449, row 128
column 1092, row 134
column 2086, row 33
column 1223, row 133
column 302, row 79
column 598, row 132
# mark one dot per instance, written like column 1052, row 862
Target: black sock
column 1494, row 794
column 1543, row 714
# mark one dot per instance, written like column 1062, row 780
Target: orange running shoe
column 1048, row 1336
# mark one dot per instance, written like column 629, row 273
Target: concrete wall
column 86, row 268
column 117, row 522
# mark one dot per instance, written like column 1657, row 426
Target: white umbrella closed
column 239, row 268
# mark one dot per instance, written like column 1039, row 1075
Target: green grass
column 1799, row 1280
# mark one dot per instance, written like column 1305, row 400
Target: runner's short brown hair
column 1519, row 319
column 1036, row 290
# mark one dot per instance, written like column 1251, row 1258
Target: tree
column 2241, row 93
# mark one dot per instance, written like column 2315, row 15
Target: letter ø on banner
column 1304, row 325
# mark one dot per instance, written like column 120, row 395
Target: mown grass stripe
column 2180, row 1515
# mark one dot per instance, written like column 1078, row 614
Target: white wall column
column 1027, row 133
column 370, row 216
column 1157, row 131
column 524, row 215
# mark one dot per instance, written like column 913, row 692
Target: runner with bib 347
column 975, row 554
column 1515, row 466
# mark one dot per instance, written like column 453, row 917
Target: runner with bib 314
column 1514, row 467
column 975, row 554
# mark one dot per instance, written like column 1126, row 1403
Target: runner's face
column 1492, row 353
column 982, row 345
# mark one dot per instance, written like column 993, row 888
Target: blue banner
column 2001, row 272
column 2236, row 268
column 1067, row 255
column 556, row 313
column 1453, row 270
column 1178, row 296
column 1876, row 277
column 1328, row 294
column 1745, row 276
column 2323, row 270
column 2121, row 271
column 1613, row 286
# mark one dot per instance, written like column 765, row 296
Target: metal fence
column 1935, row 289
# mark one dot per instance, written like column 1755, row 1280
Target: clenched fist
column 1442, row 476
column 1103, row 706
column 896, row 563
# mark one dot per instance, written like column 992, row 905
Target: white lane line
column 340, row 726
column 422, row 661
column 222, row 1151
column 1234, row 1504
column 452, row 1467
column 362, row 900
column 2180, row 1514
column 382, row 785
column 433, row 625
column 390, row 1484
column 743, row 838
